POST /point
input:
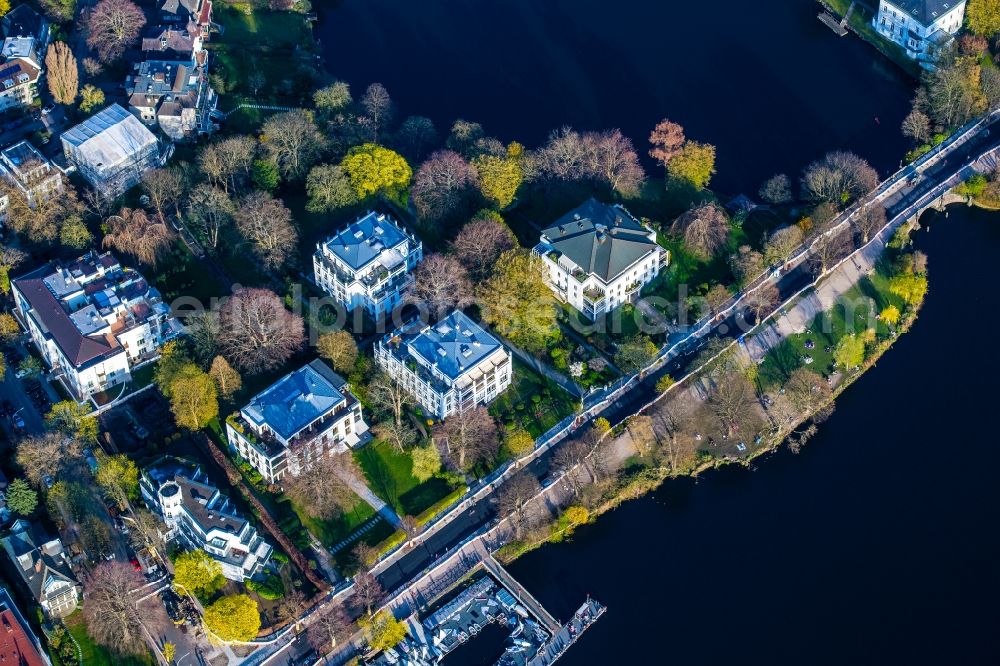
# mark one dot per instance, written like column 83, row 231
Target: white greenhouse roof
column 109, row 137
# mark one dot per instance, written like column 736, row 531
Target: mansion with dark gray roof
column 597, row 257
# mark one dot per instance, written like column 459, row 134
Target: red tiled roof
column 16, row 647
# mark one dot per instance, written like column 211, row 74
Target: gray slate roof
column 297, row 399
column 601, row 239
column 363, row 241
column 926, row 11
column 455, row 344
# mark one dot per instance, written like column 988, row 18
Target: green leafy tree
column 91, row 97
column 194, row 397
column 911, row 287
column 517, row 302
column 169, row 650
column 73, row 419
column 195, row 572
column 850, row 352
column 373, row 169
column 890, row 315
column 426, row 462
column 333, row 98
column 9, row 329
column 664, row 383
column 118, row 476
column 983, row 17
column 601, row 425
column 383, row 630
column 266, row 175
column 21, row 497
column 233, row 618
column 226, row 379
column 635, row 353
column 499, row 178
column 693, row 165
column 519, row 442
column 339, row 349
column 973, row 187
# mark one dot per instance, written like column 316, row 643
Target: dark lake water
column 875, row 545
column 765, row 82
column 878, row 543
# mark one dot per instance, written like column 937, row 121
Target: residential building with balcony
column 598, row 256
column 44, row 567
column 93, row 320
column 30, row 173
column 368, row 264
column 448, row 367
column 306, row 414
column 197, row 515
column 18, row 83
column 924, row 28
column 112, row 149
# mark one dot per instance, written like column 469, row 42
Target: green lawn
column 389, row 475
column 329, row 532
column 853, row 313
column 95, row 655
column 532, row 402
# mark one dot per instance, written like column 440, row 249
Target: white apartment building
column 30, row 173
column 44, row 567
column 368, row 264
column 597, row 257
column 197, row 515
column 304, row 415
column 449, row 367
column 111, row 150
column 18, row 83
column 93, row 320
column 924, row 28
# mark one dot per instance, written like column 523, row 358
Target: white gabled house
column 447, row 367
column 597, row 257
column 924, row 28
column 197, row 515
column 44, row 567
column 368, row 264
column 304, row 415
column 93, row 320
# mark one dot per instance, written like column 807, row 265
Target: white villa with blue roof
column 449, row 367
column 368, row 264
column 304, row 415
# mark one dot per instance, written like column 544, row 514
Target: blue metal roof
column 296, row 400
column 364, row 240
column 454, row 344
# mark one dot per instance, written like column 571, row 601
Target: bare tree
column 781, row 244
column 704, row 228
column 731, row 399
column 400, row 435
column 563, row 157
column 293, row 141
column 468, row 438
column 133, row 233
column 112, row 616
column 113, row 26
column 378, row 108
column 762, row 301
column 388, row 394
column 917, row 126
column 829, row 249
column 414, row 137
column 839, row 178
column 480, row 243
column 236, row 155
column 514, row 496
column 328, row 627
column 747, row 264
column 210, row 212
column 807, row 391
column 869, row 221
column 776, row 190
column 267, row 224
column 667, row 139
column 165, row 187
column 368, row 592
column 319, row 487
column 46, row 457
column 145, row 530
column 613, row 160
column 257, row 333
column 61, row 73
column 441, row 284
column 441, row 184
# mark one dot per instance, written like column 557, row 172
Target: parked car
column 48, row 108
